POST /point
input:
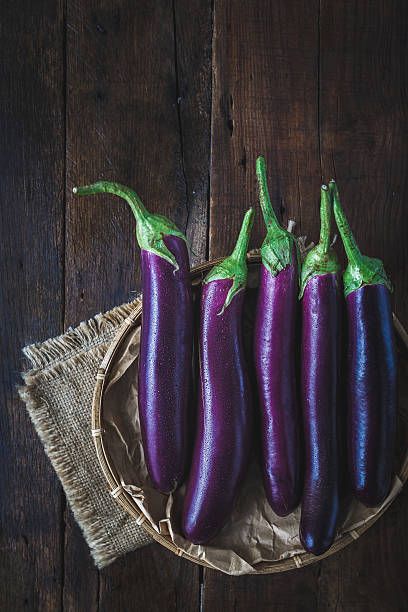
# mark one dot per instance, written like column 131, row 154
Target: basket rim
column 127, row 503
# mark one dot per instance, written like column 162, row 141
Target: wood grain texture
column 294, row 590
column 31, row 291
column 80, row 581
column 320, row 89
column 193, row 48
column 176, row 99
column 149, row 579
column 265, row 100
column 363, row 126
column 138, row 112
column 116, row 127
column 364, row 123
column 369, row 575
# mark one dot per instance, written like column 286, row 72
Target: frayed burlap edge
column 88, row 334
column 47, row 360
column 93, row 531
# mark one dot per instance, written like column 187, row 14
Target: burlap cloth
column 58, row 395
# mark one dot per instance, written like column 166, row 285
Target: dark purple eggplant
column 165, row 363
column 224, row 428
column 319, row 388
column 371, row 376
column 275, row 354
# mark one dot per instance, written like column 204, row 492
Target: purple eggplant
column 165, row 363
column 275, row 354
column 319, row 388
column 371, row 376
column 224, row 427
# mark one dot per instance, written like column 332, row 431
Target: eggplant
column 372, row 370
column 224, row 427
column 320, row 305
column 165, row 361
column 275, row 356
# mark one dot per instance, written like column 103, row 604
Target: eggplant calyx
column 277, row 248
column 369, row 271
column 235, row 266
column 322, row 259
column 277, row 252
column 150, row 229
column 361, row 270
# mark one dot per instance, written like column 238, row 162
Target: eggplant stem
column 353, row 252
column 119, row 190
column 269, row 215
column 150, row 229
column 325, row 218
column 279, row 244
column 235, row 266
column 321, row 259
column 361, row 270
column 241, row 247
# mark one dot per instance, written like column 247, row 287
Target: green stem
column 139, row 211
column 277, row 248
column 241, row 246
column 271, row 220
column 235, row 266
column 361, row 270
column 150, row 229
column 321, row 259
column 350, row 246
column 325, row 219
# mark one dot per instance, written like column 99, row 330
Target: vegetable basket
column 254, row 541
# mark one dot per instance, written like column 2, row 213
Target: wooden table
column 177, row 99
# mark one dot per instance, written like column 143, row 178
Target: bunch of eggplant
column 299, row 415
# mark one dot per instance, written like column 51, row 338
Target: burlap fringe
column 94, row 531
column 63, row 347
column 88, row 335
column 45, row 360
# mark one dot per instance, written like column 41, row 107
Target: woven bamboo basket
column 127, row 502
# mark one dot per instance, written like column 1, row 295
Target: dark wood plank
column 319, row 88
column 265, row 57
column 362, row 78
column 193, row 54
column 370, row 575
column 150, row 579
column 138, row 113
column 264, row 101
column 81, row 577
column 31, row 295
column 294, row 590
column 363, row 100
column 124, row 125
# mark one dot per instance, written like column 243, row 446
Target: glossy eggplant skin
column 165, row 364
column 371, row 393
column 319, row 388
column 224, row 427
column 274, row 356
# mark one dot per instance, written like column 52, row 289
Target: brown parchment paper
column 253, row 534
